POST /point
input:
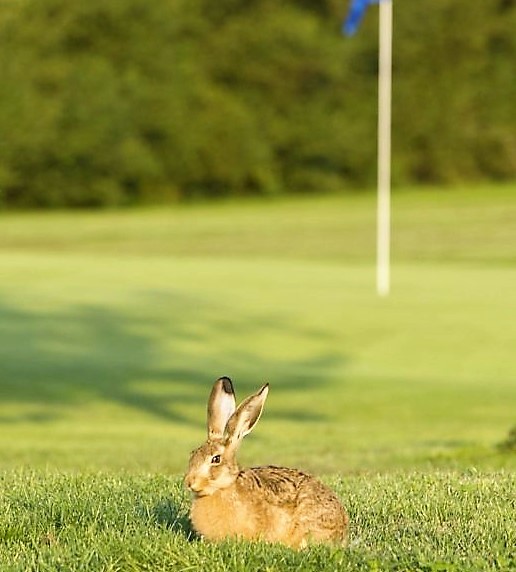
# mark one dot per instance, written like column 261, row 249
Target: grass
column 113, row 326
column 418, row 522
column 463, row 225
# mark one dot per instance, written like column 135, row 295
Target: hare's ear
column 241, row 423
column 221, row 405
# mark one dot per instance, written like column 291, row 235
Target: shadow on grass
column 155, row 357
column 166, row 513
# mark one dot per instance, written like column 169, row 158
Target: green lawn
column 114, row 325
column 102, row 522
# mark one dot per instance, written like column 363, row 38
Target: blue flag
column 357, row 10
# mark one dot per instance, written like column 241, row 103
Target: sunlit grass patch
column 433, row 521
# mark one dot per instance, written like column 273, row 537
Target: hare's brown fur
column 274, row 504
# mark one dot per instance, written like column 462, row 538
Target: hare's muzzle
column 188, row 482
column 192, row 484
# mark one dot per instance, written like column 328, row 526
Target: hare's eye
column 215, row 460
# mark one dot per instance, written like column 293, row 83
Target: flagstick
column 384, row 149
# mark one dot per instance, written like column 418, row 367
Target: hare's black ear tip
column 227, row 384
column 265, row 387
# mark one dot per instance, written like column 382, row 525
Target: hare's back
column 277, row 485
column 284, row 486
column 315, row 511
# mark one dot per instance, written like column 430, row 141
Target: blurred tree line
column 114, row 102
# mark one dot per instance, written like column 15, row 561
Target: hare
column 273, row 504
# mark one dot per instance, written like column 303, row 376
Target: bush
column 107, row 103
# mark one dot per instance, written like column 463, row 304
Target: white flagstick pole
column 384, row 149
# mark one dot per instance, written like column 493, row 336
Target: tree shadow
column 157, row 357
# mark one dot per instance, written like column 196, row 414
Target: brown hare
column 274, row 504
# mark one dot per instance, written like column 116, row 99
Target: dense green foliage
column 109, row 103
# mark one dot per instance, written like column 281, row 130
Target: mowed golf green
column 114, row 325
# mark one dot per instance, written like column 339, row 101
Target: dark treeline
column 115, row 102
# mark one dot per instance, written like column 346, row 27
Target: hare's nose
column 189, row 483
